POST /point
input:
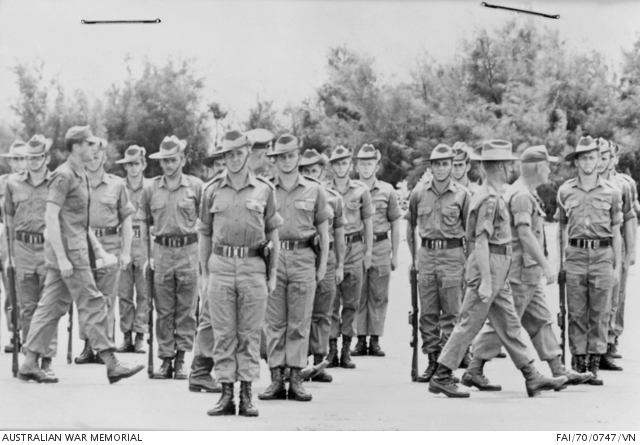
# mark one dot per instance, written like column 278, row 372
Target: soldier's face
column 367, row 167
column 97, row 159
column 18, row 165
column 613, row 162
column 236, row 159
column 171, row 166
column 217, row 167
column 288, row 162
column 441, row 169
column 341, row 167
column 134, row 168
column 86, row 150
column 588, row 162
column 460, row 169
column 37, row 163
column 605, row 160
column 510, row 171
column 313, row 171
column 257, row 158
column 543, row 171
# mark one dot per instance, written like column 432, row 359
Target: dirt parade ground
column 377, row 395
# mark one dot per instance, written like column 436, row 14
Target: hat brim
column 440, row 159
column 553, row 159
column 306, row 163
column 281, row 152
column 209, row 160
column 159, row 155
column 11, row 155
column 340, row 157
column 571, row 156
column 129, row 160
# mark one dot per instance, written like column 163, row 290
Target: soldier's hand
column 550, row 274
column 367, row 261
column 271, row 285
column 339, row 274
column 484, row 291
column 124, row 261
column 394, row 262
column 631, row 259
column 320, row 273
column 616, row 276
column 66, row 268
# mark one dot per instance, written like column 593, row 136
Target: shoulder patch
column 267, row 181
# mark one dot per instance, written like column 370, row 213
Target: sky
column 272, row 49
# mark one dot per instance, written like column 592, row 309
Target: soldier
column 69, row 278
column 25, row 201
column 171, row 202
column 358, row 230
column 488, row 293
column 590, row 216
column 134, row 313
column 110, row 221
column 313, row 165
column 237, row 218
column 304, row 209
column 375, row 285
column 461, row 167
column 529, row 264
column 17, row 165
column 440, row 210
column 214, row 165
column 262, row 139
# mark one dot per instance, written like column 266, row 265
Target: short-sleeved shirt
column 525, row 209
column 135, row 195
column 626, row 197
column 589, row 214
column 385, row 201
column 439, row 216
column 173, row 212
column 302, row 208
column 69, row 189
column 488, row 213
column 239, row 218
column 337, row 206
column 357, row 204
column 110, row 206
column 471, row 186
column 3, row 185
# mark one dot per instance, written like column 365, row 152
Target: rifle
column 562, row 281
column 150, row 294
column 11, row 290
column 70, row 331
column 413, row 313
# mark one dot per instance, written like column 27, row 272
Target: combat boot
column 332, row 356
column 442, row 382
column 46, row 367
column 246, row 408
column 614, row 350
column 138, row 347
column 311, row 371
column 296, row 390
column 431, row 368
column 593, row 361
column 31, row 371
column 178, row 368
column 86, row 356
column 573, row 377
column 581, row 364
column 117, row 371
column 200, row 378
column 464, row 364
column 322, row 375
column 536, row 382
column 360, row 347
column 166, row 370
column 277, row 390
column 225, row 406
column 474, row 376
column 127, row 344
column 345, row 357
column 374, row 347
column 607, row 363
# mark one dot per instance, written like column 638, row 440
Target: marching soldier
column 303, row 207
column 488, row 293
column 171, row 202
column 590, row 215
column 110, row 212
column 528, row 266
column 18, row 165
column 358, row 229
column 313, row 165
column 461, row 167
column 25, row 201
column 134, row 313
column 69, row 278
column 440, row 209
column 262, row 140
column 238, row 218
column 375, row 285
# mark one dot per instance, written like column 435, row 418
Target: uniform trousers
column 374, row 297
column 134, row 311
column 204, row 342
column 106, row 282
column 289, row 308
column 499, row 309
column 536, row 319
column 322, row 307
column 589, row 286
column 348, row 292
column 618, row 296
column 58, row 294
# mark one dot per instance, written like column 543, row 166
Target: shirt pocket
column 21, row 206
column 424, row 214
column 381, row 206
column 352, row 211
column 571, row 207
column 255, row 210
column 157, row 209
column 304, row 213
column 187, row 208
column 601, row 211
column 108, row 208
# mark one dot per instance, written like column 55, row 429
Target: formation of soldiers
column 248, row 266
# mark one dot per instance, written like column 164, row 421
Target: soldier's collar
column 578, row 183
column 376, row 184
column 137, row 188
column 451, row 187
column 250, row 180
column 300, row 180
column 184, row 182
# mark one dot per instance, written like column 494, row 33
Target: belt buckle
column 439, row 244
column 508, row 250
column 295, row 245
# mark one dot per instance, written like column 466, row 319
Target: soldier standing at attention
column 18, row 165
column 303, row 206
column 237, row 218
column 529, row 264
column 313, row 165
column 109, row 214
column 358, row 229
column 69, row 278
column 440, row 210
column 134, row 314
column 488, row 294
column 262, row 140
column 25, row 202
column 461, row 167
column 171, row 203
column 375, row 284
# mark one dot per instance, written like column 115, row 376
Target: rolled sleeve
column 205, row 220
column 628, row 212
column 8, row 201
column 125, row 207
column 367, row 206
column 272, row 219
column 59, row 189
column 145, row 199
column 486, row 217
column 616, row 210
column 323, row 209
column 394, row 211
column 522, row 208
column 338, row 217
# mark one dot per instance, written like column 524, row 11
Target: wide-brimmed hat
column 615, row 148
column 208, row 161
column 38, row 145
column 441, row 152
column 585, row 145
column 169, row 147
column 233, row 139
column 604, row 146
column 494, row 150
column 311, row 157
column 17, row 150
column 260, row 137
column 537, row 153
column 368, row 151
column 340, row 153
column 133, row 154
column 460, row 151
column 83, row 133
column 285, row 144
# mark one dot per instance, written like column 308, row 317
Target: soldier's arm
column 617, row 252
column 395, row 242
column 127, row 238
column 52, row 223
column 531, row 246
column 323, row 231
column 204, row 249
column 97, row 247
column 338, row 245
column 482, row 259
column 630, row 227
column 274, row 238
